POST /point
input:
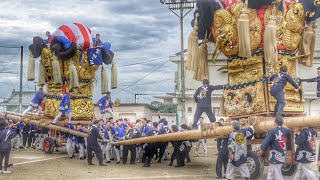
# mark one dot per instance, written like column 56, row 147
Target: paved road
column 35, row 165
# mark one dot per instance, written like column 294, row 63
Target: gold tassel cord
column 42, row 75
column 202, row 72
column 270, row 39
column 243, row 33
column 104, row 81
column 31, row 68
column 192, row 46
column 56, row 71
column 114, row 76
column 307, row 46
column 74, row 78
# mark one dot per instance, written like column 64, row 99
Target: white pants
column 43, row 136
column 59, row 116
column 203, row 142
column 274, row 172
column 70, row 147
column 30, row 108
column 108, row 152
column 108, row 110
column 103, row 148
column 38, row 140
column 304, row 169
column 82, row 150
column 16, row 142
column 244, row 170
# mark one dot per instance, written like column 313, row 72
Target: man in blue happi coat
column 237, row 146
column 202, row 97
column 64, row 107
column 35, row 102
column 305, row 153
column 279, row 81
column 277, row 141
column 105, row 105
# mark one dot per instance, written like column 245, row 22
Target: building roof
column 13, row 99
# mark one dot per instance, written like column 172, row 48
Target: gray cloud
column 139, row 30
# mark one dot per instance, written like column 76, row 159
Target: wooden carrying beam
column 263, row 125
column 17, row 118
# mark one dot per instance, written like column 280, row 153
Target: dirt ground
column 35, row 165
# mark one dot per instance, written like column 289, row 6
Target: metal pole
column 21, row 73
column 183, row 90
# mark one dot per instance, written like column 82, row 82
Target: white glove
column 66, row 107
column 100, row 104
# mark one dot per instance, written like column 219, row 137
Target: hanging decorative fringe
column 202, row 72
column 104, row 81
column 270, row 39
column 74, row 79
column 56, row 71
column 42, row 75
column 114, row 76
column 307, row 46
column 215, row 55
column 243, row 33
column 192, row 46
column 31, row 68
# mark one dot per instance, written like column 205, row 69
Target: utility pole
column 181, row 5
column 35, row 86
column 21, row 74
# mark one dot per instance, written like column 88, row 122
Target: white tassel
column 31, row 68
column 56, row 72
column 114, row 76
column 42, row 75
column 243, row 34
column 74, row 79
column 104, row 81
column 270, row 42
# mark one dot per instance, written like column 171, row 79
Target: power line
column 152, row 60
column 9, row 61
column 154, row 82
column 143, row 77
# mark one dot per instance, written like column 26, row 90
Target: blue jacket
column 306, row 146
column 203, row 99
column 65, row 103
column 316, row 79
column 277, row 141
column 80, row 140
column 20, row 126
column 113, row 132
column 66, row 44
column 35, row 102
column 164, row 130
column 237, row 144
column 120, row 132
column 70, row 136
column 123, row 126
column 5, row 139
column 103, row 102
column 280, row 80
column 144, row 130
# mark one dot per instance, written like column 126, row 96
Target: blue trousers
column 198, row 113
column 278, row 108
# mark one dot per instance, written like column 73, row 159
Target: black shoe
column 73, row 156
column 165, row 159
column 112, row 159
column 81, row 158
column 178, row 165
column 90, row 164
column 159, row 161
column 9, row 165
column 117, row 162
column 170, row 164
column 101, row 164
column 85, row 157
column 57, row 150
column 108, row 162
column 70, row 157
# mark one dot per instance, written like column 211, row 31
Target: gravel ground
column 35, row 165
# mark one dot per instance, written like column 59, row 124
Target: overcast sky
column 139, row 30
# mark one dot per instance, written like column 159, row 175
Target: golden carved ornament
column 227, row 40
column 294, row 25
column 279, row 19
column 243, row 101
